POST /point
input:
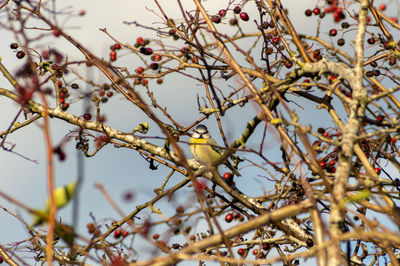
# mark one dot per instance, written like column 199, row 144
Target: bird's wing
column 214, row 145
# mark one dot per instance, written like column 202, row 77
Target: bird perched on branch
column 205, row 149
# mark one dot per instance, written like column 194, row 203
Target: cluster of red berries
column 222, row 13
column 329, row 161
column 118, row 233
column 64, row 94
column 113, row 53
column 105, row 93
column 92, row 229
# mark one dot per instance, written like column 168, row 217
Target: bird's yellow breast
column 203, row 152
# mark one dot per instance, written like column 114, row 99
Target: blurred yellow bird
column 204, row 148
column 62, row 196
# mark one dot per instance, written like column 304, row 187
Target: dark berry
column 154, row 66
column 308, row 12
column 20, row 54
column 87, row 116
column 340, row 42
column 222, row 13
column 14, row 45
column 332, row 32
column 237, row 10
column 345, row 25
column 371, row 40
column 216, row 19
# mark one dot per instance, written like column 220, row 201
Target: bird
column 62, row 196
column 205, row 149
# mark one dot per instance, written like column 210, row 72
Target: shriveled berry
column 159, row 81
column 237, row 10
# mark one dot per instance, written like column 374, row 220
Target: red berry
column 159, row 81
column 244, row 16
column 241, row 251
column 62, row 100
column 113, row 56
column 156, row 236
column 266, row 246
column 394, row 140
column 117, row 46
column 382, row 7
column 227, row 175
column 1, row 259
column 102, row 92
column 255, row 252
column 333, row 170
column 332, row 32
column 368, row 19
column 308, row 12
column 316, row 11
column 65, row 106
column 229, row 217
column 140, row 41
column 117, row 233
column 139, row 70
column 237, row 10
column 322, row 164
column 371, row 40
column 378, row 170
column 56, row 32
column 125, row 233
column 332, row 162
column 380, row 118
column 20, row 54
column 222, row 13
column 87, row 116
column 276, row 40
column 110, row 94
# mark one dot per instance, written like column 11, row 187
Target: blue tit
column 204, row 148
